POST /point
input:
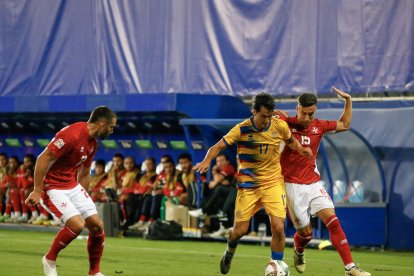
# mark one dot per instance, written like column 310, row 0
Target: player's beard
column 103, row 136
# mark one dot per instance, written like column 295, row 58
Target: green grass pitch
column 20, row 254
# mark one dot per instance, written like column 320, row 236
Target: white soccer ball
column 277, row 268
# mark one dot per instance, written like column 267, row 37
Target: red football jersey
column 73, row 147
column 295, row 167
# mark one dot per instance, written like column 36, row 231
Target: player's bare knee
column 76, row 226
column 96, row 228
column 94, row 225
column 277, row 227
column 240, row 230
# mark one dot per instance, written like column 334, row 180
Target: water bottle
column 162, row 209
column 175, row 200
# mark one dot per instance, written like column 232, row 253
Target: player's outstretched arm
column 212, row 153
column 344, row 122
column 43, row 164
column 294, row 144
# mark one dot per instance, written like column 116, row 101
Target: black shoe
column 225, row 262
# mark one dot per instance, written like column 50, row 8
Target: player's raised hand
column 33, row 199
column 340, row 93
column 201, row 167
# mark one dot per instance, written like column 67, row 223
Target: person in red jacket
column 10, row 184
column 140, row 200
column 25, row 184
column 3, row 173
column 128, row 186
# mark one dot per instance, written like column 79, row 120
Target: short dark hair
column 185, row 155
column 171, row 162
column 168, row 157
column 101, row 112
column 15, row 157
column 119, row 155
column 3, row 154
column 100, row 162
column 31, row 156
column 152, row 159
column 307, row 99
column 263, row 99
column 223, row 154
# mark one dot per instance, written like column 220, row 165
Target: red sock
column 22, row 199
column 338, row 239
column 32, row 208
column 301, row 242
column 62, row 239
column 95, row 249
column 43, row 211
column 14, row 194
column 8, row 209
column 142, row 218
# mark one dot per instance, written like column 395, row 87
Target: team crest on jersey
column 274, row 134
column 59, row 143
column 294, row 130
column 250, row 137
column 82, row 149
column 315, row 130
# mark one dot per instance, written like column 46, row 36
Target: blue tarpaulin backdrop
column 227, row 47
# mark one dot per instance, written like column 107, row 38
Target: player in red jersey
column 305, row 194
column 62, row 171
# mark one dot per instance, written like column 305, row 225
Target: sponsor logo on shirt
column 83, row 159
column 59, row 143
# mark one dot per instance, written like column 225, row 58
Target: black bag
column 164, row 230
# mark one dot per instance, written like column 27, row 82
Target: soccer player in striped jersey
column 260, row 180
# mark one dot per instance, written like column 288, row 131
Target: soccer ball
column 277, row 268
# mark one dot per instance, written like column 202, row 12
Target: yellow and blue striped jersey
column 258, row 151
